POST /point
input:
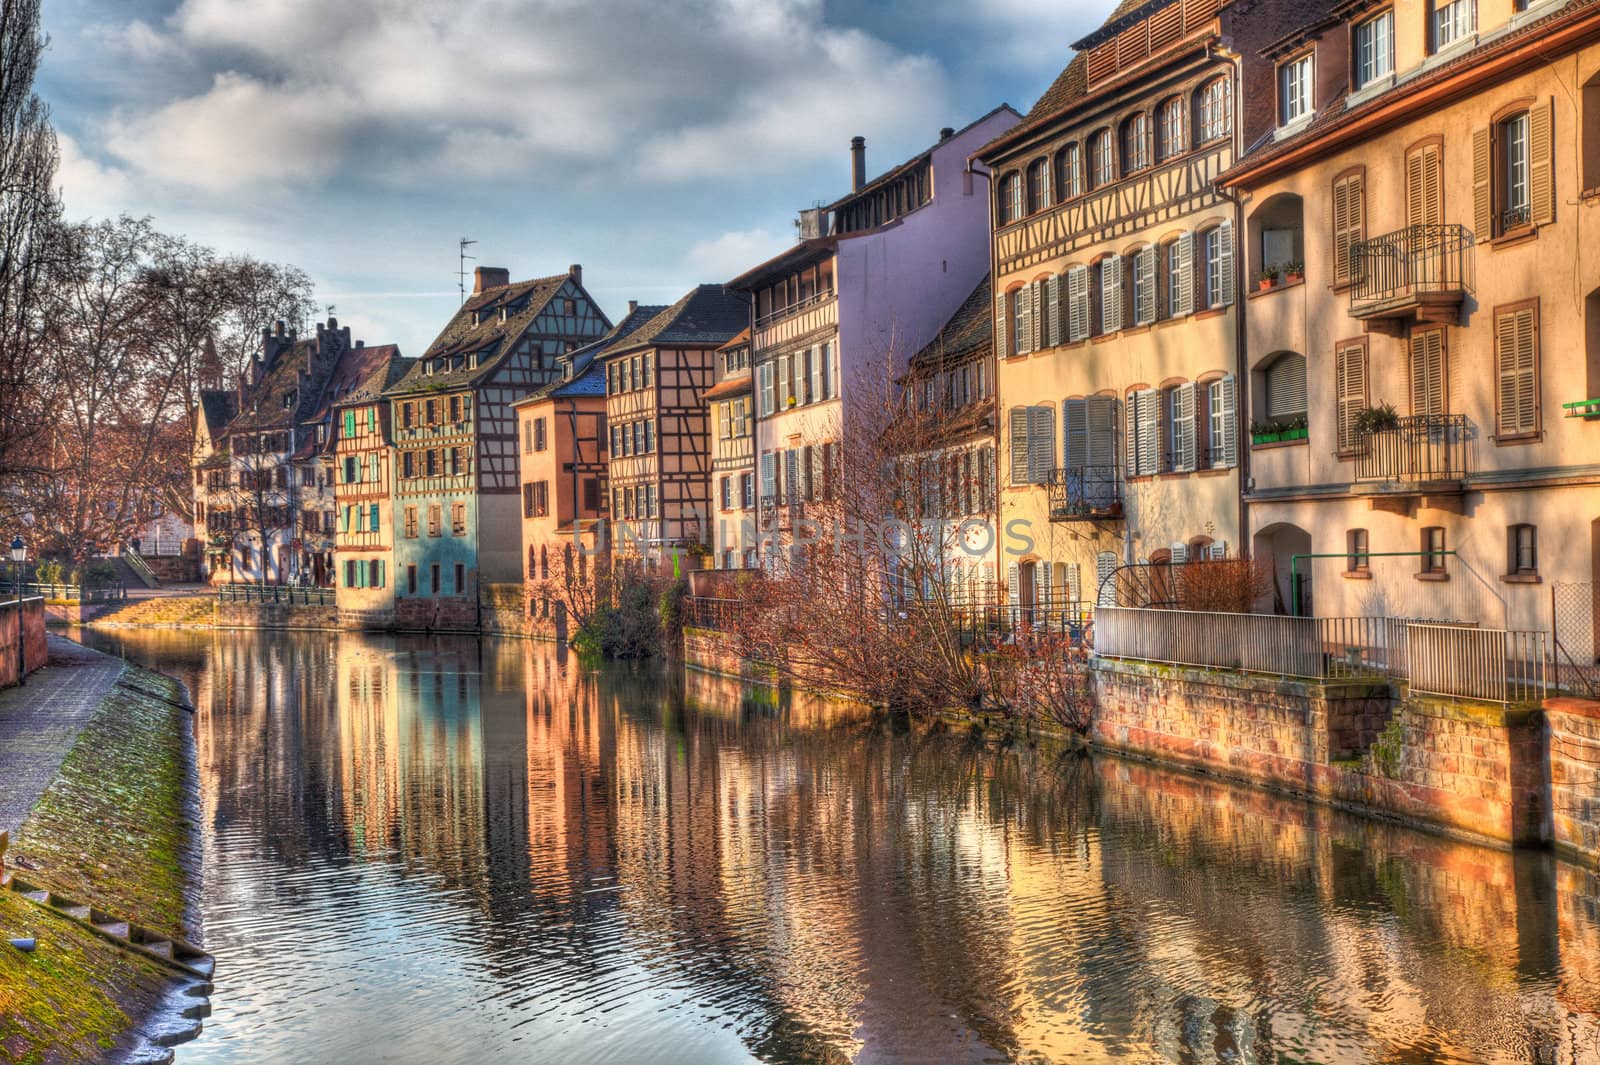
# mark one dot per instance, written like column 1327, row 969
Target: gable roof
column 588, row 375
column 968, row 332
column 900, row 170
column 708, row 316
column 379, row 379
column 217, row 409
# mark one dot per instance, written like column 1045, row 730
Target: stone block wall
column 712, row 652
column 447, row 613
column 1574, row 738
column 275, row 616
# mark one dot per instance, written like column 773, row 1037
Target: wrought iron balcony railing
column 1426, row 449
column 1512, row 217
column 1085, row 493
column 1398, row 271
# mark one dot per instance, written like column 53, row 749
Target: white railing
column 1492, row 665
column 1252, row 643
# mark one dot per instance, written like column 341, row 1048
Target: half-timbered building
column 835, row 319
column 455, row 434
column 564, row 476
column 360, row 468
column 660, row 458
column 1117, row 296
column 1432, row 168
column 733, row 457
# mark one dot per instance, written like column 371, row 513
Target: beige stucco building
column 1435, row 167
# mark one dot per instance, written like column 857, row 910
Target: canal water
column 453, row 851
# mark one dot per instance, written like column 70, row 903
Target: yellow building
column 1434, row 167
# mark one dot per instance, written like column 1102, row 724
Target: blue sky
column 659, row 145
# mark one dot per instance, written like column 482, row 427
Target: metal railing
column 1395, row 269
column 1420, row 449
column 109, row 592
column 1492, row 665
column 719, row 615
column 1085, row 493
column 276, row 593
column 814, row 300
column 1250, row 643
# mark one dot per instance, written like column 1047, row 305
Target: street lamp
column 19, row 551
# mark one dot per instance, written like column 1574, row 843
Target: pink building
column 836, row 319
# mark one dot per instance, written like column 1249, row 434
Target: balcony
column 1425, row 455
column 1085, row 493
column 1422, row 273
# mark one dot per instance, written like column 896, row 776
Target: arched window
column 1038, row 186
column 1010, row 198
column 1172, row 132
column 1135, row 142
column 1102, row 160
column 1214, row 110
column 1069, row 174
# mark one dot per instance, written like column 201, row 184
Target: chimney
column 361, row 343
column 575, row 271
column 633, row 305
column 277, row 328
column 946, row 133
column 489, row 277
column 858, row 163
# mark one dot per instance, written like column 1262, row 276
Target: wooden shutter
column 1424, row 187
column 1105, row 566
column 1052, row 313
column 1019, row 445
column 1041, row 584
column 1427, row 372
column 791, row 475
column 1224, row 423
column 1517, row 364
column 1286, row 386
column 1183, row 428
column 819, row 374
column 1074, row 433
column 1041, row 443
column 1226, row 285
column 769, row 475
column 1350, row 369
column 1024, row 319
column 1013, row 585
column 1184, row 278
column 1178, row 552
column 1149, row 404
column 1037, row 324
column 1348, row 210
column 784, row 382
column 1078, row 303
column 1541, row 169
column 1145, row 297
column 1002, row 304
column 1130, row 433
column 1482, row 185
column 1102, row 431
column 1111, row 294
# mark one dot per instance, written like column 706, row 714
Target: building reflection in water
column 441, row 850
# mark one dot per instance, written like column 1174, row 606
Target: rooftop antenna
column 461, row 269
column 330, row 310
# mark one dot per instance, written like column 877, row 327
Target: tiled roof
column 969, row 331
column 1071, row 84
column 709, row 315
column 291, row 387
column 1335, row 115
column 380, row 379
column 476, row 328
column 218, row 407
column 728, row 386
column 588, row 375
column 740, row 341
column 784, row 261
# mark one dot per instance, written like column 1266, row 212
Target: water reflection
column 441, row 851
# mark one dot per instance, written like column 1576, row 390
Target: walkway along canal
column 452, row 850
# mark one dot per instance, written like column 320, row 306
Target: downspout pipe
column 994, row 282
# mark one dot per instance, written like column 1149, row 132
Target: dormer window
column 427, row 368
column 472, row 361
column 289, row 399
column 1453, row 22
column 1374, row 51
column 1294, row 90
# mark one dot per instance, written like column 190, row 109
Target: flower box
column 1265, row 438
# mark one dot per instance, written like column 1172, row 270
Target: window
column 1144, row 286
column 435, row 519
column 1514, row 199
column 411, row 580
column 1033, row 446
column 1110, row 294
column 411, row 523
column 1512, row 173
column 1038, row 186
column 1172, row 135
column 1219, row 266
column 1428, row 372
column 1102, row 163
column 458, row 519
column 1349, row 225
column 1425, row 185
column 1516, row 342
column 1453, row 22
column 1215, row 109
column 1356, row 544
column 1433, row 550
column 1010, row 198
column 1142, row 436
column 1078, row 306
column 461, row 578
column 1181, row 441
column 539, row 441
column 1350, row 372
column 1522, row 551
column 433, row 578
column 1294, row 90
column 1136, row 143
column 1069, row 174
column 1222, row 405
column 1286, row 386
column 1180, row 277
column 1374, row 54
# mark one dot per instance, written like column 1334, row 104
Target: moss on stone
column 1384, row 754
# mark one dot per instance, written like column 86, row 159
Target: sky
column 660, row 145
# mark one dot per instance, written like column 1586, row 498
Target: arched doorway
column 1277, row 545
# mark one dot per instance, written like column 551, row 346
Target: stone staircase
column 179, row 611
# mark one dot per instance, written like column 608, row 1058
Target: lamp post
column 19, row 551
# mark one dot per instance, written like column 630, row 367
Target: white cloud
column 413, row 92
column 87, row 187
column 730, row 254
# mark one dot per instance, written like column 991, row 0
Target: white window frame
column 1452, row 22
column 1296, row 95
column 1515, row 133
column 1374, row 49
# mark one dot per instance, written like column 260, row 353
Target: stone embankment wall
column 1475, row 770
column 25, row 622
column 1574, row 738
column 275, row 616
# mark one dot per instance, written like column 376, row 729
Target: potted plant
column 1295, row 269
column 1376, row 419
column 1295, row 428
column 1267, row 432
column 1266, row 278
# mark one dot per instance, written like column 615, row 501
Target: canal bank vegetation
column 610, row 607
column 113, row 830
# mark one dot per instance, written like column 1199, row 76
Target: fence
column 1493, row 665
column 719, row 615
column 110, row 592
column 1398, row 268
column 1421, row 449
column 276, row 593
column 1574, row 650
